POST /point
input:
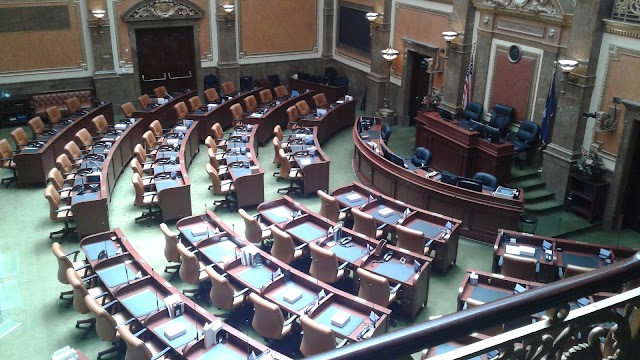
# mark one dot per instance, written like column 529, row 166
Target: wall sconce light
column 448, row 37
column 99, row 15
column 372, row 17
column 228, row 9
column 566, row 66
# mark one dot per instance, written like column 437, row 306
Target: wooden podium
column 461, row 151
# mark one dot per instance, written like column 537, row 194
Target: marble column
column 328, row 13
column 377, row 77
column 228, row 67
column 569, row 127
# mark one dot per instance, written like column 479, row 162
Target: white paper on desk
column 256, row 115
column 512, row 249
column 169, row 301
column 305, row 161
column 353, row 197
column 161, row 101
column 199, row 230
column 384, row 212
column 527, row 251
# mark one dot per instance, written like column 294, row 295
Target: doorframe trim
column 405, row 91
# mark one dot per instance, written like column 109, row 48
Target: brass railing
column 626, row 11
column 557, row 295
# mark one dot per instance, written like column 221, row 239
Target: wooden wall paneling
column 512, row 83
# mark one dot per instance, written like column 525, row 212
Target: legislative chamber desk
column 221, row 248
column 338, row 116
column 358, row 253
column 310, row 158
column 332, row 93
column 269, row 116
column 34, row 161
column 141, row 293
column 165, row 113
column 241, row 157
column 481, row 213
column 218, row 113
column 461, row 151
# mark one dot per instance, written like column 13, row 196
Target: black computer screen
column 448, row 178
column 492, row 134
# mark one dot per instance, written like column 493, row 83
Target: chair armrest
column 290, row 320
column 140, row 332
column 241, row 292
column 125, row 323
column 8, row 159
column 90, row 277
column 150, row 193
column 63, row 198
column 110, row 304
column 301, row 246
column 82, row 267
column 381, row 227
column 256, row 216
column 396, row 288
column 63, row 208
column 344, row 209
column 344, row 265
column 342, row 343
column 147, row 177
column 65, row 189
column 161, row 353
column 510, row 136
column 74, row 253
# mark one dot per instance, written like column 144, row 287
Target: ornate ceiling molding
column 546, row 11
column 631, row 30
column 163, row 10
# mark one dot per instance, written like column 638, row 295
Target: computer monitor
column 445, row 114
column 294, row 93
column 492, row 134
column 477, row 126
column 470, row 184
column 448, row 178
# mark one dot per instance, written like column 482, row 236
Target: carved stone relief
column 533, row 6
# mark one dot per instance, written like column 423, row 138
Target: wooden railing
column 413, row 339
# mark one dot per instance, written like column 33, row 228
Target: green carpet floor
column 29, row 288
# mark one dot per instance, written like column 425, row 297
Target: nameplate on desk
column 340, row 319
column 292, row 295
column 120, row 126
column 199, row 230
column 255, row 169
column 384, row 212
column 180, row 129
column 256, row 115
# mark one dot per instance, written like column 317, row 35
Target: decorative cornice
column 423, row 9
column 162, row 10
column 554, row 17
column 626, row 29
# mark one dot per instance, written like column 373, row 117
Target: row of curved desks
column 35, row 160
column 221, row 248
column 141, row 292
column 481, row 213
column 165, row 113
column 310, row 158
column 305, row 226
column 339, row 115
column 241, row 157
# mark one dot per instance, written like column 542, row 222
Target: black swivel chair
column 489, row 182
column 246, row 83
column 473, row 111
column 525, row 140
column 421, row 157
column 501, row 117
column 274, row 80
column 386, row 132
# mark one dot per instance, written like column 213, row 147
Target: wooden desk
column 249, row 184
column 490, row 287
column 165, row 113
column 33, row 163
column 453, row 345
column 482, row 214
column 315, row 168
column 462, row 151
column 337, row 117
column 333, row 93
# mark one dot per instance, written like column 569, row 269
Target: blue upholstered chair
column 421, row 157
column 386, row 132
column 501, row 117
column 489, row 182
column 473, row 111
column 525, row 140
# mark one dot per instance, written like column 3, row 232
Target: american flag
column 468, row 79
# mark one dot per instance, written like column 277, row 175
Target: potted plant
column 590, row 165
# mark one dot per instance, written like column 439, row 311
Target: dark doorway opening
column 632, row 205
column 420, row 83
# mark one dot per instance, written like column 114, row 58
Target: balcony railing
column 545, row 337
column 626, row 11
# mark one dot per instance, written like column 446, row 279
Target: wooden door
column 166, row 57
column 420, row 85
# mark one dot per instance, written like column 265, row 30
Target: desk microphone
column 156, row 290
column 126, row 271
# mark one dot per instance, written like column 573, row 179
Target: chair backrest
column 73, row 105
column 320, row 100
column 303, row 107
column 283, row 247
column 324, row 264
column 149, row 140
column 63, row 262
column 276, row 150
column 105, row 323
column 501, row 117
column 160, row 91
column 329, row 207
column 374, row 288
column 128, row 109
column 210, row 143
column 285, row 166
column 20, row 137
column 144, row 100
column 277, row 132
column 211, row 95
column 228, row 88
column 519, row 267
column 63, row 163
column 83, row 137
column 190, row 266
column 135, row 165
column 52, row 196
column 221, row 294
column 385, row 134
column 573, row 270
column 54, row 114
column 218, row 132
column 213, row 160
column 170, row 244
column 100, row 123
column 473, row 111
column 281, row 91
column 136, row 348
column 216, row 183
column 138, row 186
column 156, row 128
column 316, row 337
column 55, row 178
column 5, row 150
column 489, row 181
column 274, row 80
column 195, row 103
column 421, row 157
column 267, row 318
column 36, row 125
column 139, row 153
column 266, row 96
column 79, row 291
column 246, row 83
column 181, row 110
column 410, row 239
column 363, row 223
column 250, row 103
column 528, row 130
column 72, row 151
column 236, row 111
column 292, row 116
column 252, row 230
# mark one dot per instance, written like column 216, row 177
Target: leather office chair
column 266, row 97
column 80, row 291
column 324, row 265
column 250, row 104
column 365, row 224
column 329, row 207
column 254, row 231
column 191, row 271
column 160, row 91
column 489, row 182
column 303, row 108
column 181, row 110
column 246, row 83
column 221, row 187
column 37, row 127
column 20, row 138
column 519, row 267
column 228, row 88
column 59, row 213
column 54, row 177
column 73, row 105
column 473, row 111
column 274, row 80
column 375, row 288
column 148, row 199
column 65, row 166
column 421, row 157
column 212, row 95
column 54, row 115
column 128, row 109
column 6, row 162
column 156, row 128
column 138, row 349
column 210, row 143
column 385, row 134
column 268, row 320
column 195, row 103
column 525, row 140
column 144, row 100
column 107, row 321
column 73, row 153
column 237, row 114
column 410, row 239
column 100, row 124
column 146, row 175
column 277, row 132
column 150, row 143
column 283, row 247
column 171, row 252
column 84, row 139
column 316, row 337
column 293, row 175
column 141, row 155
column 573, row 270
column 68, row 261
column 293, row 116
column 281, row 91
column 501, row 117
column 214, row 160
column 276, row 153
column 218, row 135
column 320, row 100
column 223, row 295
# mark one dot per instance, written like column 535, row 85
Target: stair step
column 517, row 174
column 528, row 183
column 538, row 195
column 543, row 206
